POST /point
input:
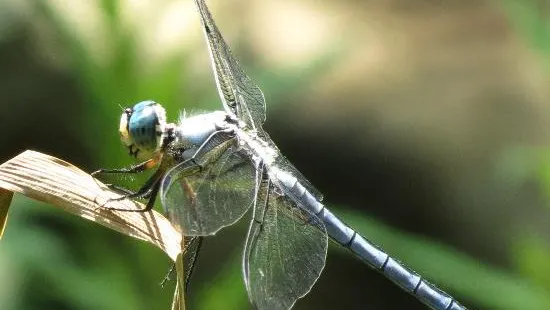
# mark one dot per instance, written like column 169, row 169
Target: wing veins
column 239, row 93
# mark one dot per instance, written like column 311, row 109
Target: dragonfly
column 212, row 168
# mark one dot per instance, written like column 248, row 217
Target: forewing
column 241, row 97
column 285, row 251
column 202, row 200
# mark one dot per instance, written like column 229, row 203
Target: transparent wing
column 285, row 251
column 241, row 97
column 201, row 201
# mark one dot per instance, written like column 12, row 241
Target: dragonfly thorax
column 143, row 129
column 193, row 130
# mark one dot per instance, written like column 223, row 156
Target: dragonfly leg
column 132, row 169
column 168, row 275
column 189, row 266
column 148, row 190
column 121, row 189
column 192, row 262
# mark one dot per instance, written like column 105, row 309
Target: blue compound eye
column 142, row 127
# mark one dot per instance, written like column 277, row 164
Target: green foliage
column 531, row 250
column 531, row 19
column 229, row 291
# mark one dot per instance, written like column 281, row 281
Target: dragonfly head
column 143, row 129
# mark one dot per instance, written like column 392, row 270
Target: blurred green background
column 424, row 123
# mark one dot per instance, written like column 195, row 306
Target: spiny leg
column 141, row 167
column 131, row 170
column 189, row 266
column 121, row 189
column 168, row 275
column 148, row 190
column 192, row 263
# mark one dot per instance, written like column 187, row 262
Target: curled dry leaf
column 52, row 180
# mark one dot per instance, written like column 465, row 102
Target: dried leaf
column 52, row 180
column 59, row 183
column 5, row 201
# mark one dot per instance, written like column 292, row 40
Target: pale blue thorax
column 192, row 131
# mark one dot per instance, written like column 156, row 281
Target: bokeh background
column 424, row 123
